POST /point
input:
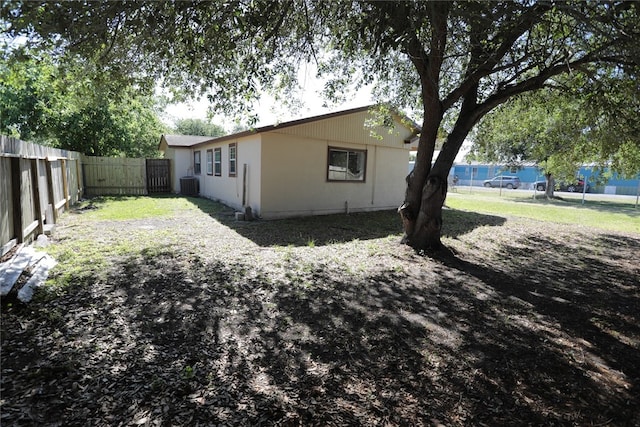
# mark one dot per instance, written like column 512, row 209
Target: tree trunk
column 421, row 212
column 549, row 186
column 424, row 231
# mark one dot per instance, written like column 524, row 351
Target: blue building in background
column 475, row 173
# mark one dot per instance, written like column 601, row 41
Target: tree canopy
column 198, row 127
column 561, row 129
column 70, row 106
column 452, row 62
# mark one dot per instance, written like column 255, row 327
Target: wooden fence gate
column 125, row 176
column 158, row 176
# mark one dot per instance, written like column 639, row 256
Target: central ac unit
column 189, row 186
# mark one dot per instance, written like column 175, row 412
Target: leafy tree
column 541, row 127
column 454, row 62
column 613, row 105
column 28, row 97
column 561, row 131
column 102, row 128
column 198, row 127
column 72, row 107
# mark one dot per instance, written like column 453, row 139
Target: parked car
column 563, row 186
column 574, row 187
column 511, row 182
column 540, row 185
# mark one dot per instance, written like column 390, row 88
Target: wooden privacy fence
column 36, row 184
column 124, row 176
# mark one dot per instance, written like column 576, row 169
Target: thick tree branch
column 480, row 67
column 471, row 112
column 539, row 81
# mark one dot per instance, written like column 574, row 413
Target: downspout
column 248, row 214
column 375, row 175
column 244, row 185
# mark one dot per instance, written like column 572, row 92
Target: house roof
column 192, row 141
column 185, row 140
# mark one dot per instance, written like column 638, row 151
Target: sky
column 270, row 111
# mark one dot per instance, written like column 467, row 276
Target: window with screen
column 209, row 162
column 217, row 161
column 346, row 165
column 197, row 164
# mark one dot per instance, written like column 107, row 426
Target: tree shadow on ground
column 457, row 223
column 319, row 230
column 170, row 339
column 585, row 303
column 338, row 228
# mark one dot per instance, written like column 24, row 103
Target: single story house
column 326, row 164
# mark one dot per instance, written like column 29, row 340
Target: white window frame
column 233, row 159
column 210, row 162
column 334, row 172
column 197, row 162
column 217, row 161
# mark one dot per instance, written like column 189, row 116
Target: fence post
column 52, row 197
column 17, row 199
column 35, row 185
column 65, row 184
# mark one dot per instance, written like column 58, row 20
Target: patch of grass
column 121, row 208
column 78, row 261
column 84, row 259
column 205, row 205
column 126, row 208
column 599, row 214
column 189, row 372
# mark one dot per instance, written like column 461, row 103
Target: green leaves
column 27, row 98
column 198, row 127
column 74, row 106
column 561, row 130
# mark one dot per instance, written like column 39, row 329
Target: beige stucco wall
column 182, row 165
column 229, row 189
column 294, row 174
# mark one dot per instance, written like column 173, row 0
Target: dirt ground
column 201, row 320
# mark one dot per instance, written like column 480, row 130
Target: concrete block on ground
column 38, row 277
